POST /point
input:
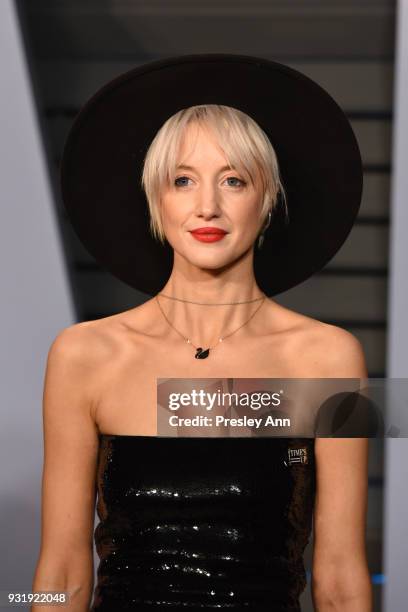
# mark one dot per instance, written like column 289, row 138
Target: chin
column 211, row 261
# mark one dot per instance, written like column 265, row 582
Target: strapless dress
column 202, row 523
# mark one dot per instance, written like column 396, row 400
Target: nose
column 208, row 201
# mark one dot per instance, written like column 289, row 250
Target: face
column 208, row 195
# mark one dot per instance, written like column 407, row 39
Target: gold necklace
column 200, row 352
column 170, row 297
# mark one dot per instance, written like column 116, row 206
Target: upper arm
column 341, row 503
column 70, row 454
column 339, row 561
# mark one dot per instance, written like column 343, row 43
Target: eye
column 233, row 181
column 182, row 181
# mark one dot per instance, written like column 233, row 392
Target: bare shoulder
column 322, row 349
column 82, row 362
column 82, row 344
column 91, row 342
column 332, row 352
column 93, row 348
column 83, row 352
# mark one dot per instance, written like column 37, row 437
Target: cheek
column 170, row 212
column 249, row 212
column 174, row 219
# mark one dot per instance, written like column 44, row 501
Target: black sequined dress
column 203, row 523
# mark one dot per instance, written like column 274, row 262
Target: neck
column 205, row 324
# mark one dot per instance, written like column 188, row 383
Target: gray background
column 35, row 304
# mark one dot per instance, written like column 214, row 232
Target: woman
column 197, row 523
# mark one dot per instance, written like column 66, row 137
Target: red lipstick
column 208, row 234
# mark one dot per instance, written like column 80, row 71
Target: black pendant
column 200, row 354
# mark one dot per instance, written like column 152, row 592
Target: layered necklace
column 202, row 353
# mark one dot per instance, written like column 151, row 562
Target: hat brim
column 318, row 155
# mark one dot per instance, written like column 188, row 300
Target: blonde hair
column 245, row 145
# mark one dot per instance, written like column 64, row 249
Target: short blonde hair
column 245, row 145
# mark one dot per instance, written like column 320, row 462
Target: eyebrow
column 223, row 169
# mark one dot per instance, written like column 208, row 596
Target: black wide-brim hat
column 318, row 156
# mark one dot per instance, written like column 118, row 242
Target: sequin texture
column 202, row 523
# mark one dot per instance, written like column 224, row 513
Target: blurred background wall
column 395, row 534
column 36, row 302
column 74, row 46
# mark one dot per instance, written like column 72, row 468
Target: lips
column 208, row 234
column 208, row 230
